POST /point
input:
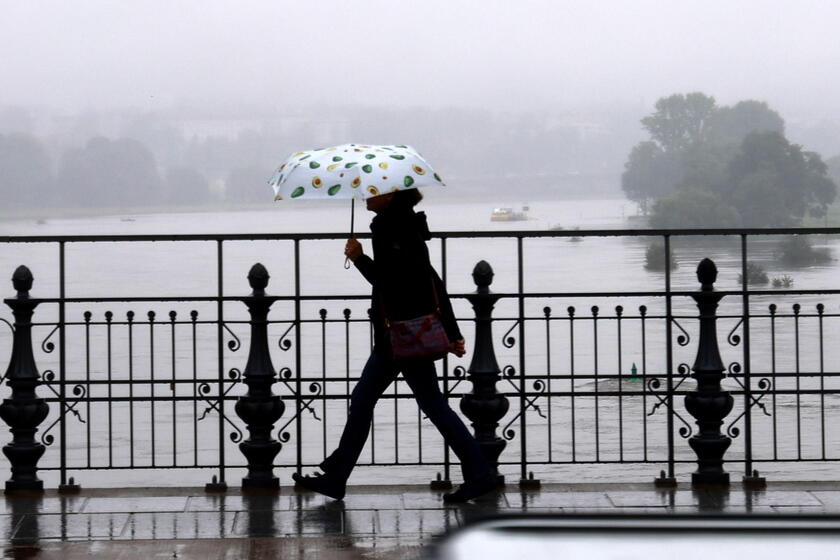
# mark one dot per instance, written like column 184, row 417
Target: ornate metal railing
column 559, row 378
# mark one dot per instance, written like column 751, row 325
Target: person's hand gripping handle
column 352, row 236
column 353, row 249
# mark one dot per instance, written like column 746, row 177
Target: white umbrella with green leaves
column 354, row 171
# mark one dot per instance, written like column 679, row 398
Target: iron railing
column 594, row 377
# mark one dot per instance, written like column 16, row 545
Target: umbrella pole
column 352, row 227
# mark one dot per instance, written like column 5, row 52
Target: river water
column 586, row 428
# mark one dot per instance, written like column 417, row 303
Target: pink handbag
column 421, row 338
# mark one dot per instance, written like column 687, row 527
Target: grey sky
column 529, row 54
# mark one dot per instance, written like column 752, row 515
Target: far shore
column 9, row 215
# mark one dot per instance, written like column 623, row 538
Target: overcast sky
column 528, row 54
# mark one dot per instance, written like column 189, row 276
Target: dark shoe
column 471, row 489
column 323, row 484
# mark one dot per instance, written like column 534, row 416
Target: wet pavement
column 393, row 522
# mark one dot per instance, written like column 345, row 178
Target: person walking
column 405, row 286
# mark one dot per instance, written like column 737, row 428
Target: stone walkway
column 371, row 522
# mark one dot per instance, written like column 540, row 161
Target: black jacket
column 401, row 274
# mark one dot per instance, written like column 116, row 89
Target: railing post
column 23, row 411
column 484, row 406
column 260, row 408
column 708, row 404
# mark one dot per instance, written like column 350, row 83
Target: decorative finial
column 258, row 279
column 482, row 275
column 706, row 274
column 22, row 281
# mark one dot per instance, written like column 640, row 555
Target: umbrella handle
column 352, row 227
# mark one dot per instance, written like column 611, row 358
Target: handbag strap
column 381, row 300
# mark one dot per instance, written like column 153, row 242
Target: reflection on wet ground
column 371, row 522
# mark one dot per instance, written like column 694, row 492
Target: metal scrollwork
column 653, row 385
column 204, row 388
column 235, row 376
column 764, row 386
column 509, row 341
column 315, row 388
column 508, row 433
column 284, row 343
column 530, row 403
column 684, row 338
column 46, row 345
column 79, row 391
column 539, row 386
column 235, row 344
column 285, row 376
column 685, row 371
column 460, row 374
column 732, row 338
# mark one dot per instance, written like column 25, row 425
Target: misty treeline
column 707, row 165
column 111, row 161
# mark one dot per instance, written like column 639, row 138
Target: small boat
column 509, row 215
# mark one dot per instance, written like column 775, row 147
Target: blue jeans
column 421, row 377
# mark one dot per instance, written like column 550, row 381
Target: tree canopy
column 833, row 165
column 693, row 208
column 730, row 125
column 680, row 120
column 775, row 183
column 710, row 166
column 26, row 176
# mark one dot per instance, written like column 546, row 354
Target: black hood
column 398, row 223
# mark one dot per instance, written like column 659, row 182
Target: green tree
column 737, row 155
column 656, row 167
column 649, row 173
column 730, row 125
column 693, row 209
column 680, row 120
column 704, row 167
column 760, row 199
column 774, row 182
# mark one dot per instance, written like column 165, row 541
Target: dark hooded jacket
column 401, row 274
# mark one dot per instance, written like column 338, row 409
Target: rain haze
column 532, row 55
column 139, row 144
column 214, row 95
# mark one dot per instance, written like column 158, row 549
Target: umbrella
column 354, row 171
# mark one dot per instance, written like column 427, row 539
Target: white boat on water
column 504, row 214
